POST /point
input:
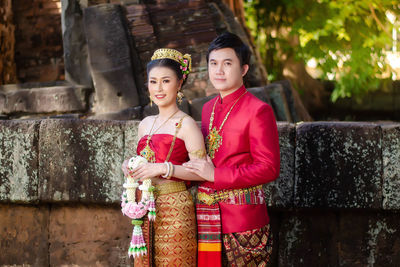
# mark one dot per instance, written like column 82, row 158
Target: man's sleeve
column 264, row 151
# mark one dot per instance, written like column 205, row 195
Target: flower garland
column 138, row 210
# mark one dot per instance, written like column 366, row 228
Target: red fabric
column 246, row 217
column 249, row 154
column 209, row 259
column 161, row 143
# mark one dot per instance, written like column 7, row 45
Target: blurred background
column 341, row 57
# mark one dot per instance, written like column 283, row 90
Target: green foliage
column 346, row 38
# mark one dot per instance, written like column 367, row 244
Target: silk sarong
column 172, row 240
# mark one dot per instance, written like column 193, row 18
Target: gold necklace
column 147, row 152
column 214, row 139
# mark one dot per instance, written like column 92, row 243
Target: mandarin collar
column 231, row 97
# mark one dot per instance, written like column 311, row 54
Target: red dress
column 173, row 241
column 160, row 144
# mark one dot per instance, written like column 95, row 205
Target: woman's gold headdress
column 184, row 60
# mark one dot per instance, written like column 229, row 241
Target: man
column 243, row 148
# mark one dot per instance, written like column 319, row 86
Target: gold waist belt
column 170, row 187
column 241, row 195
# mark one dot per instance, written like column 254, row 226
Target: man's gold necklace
column 147, row 152
column 214, row 139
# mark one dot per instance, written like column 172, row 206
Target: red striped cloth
column 209, row 222
column 209, row 233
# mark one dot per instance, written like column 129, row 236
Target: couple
column 242, row 144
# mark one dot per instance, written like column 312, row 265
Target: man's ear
column 245, row 69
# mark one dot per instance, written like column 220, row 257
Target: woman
column 167, row 140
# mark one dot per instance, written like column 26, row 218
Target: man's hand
column 202, row 167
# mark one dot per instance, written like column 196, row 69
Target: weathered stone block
column 197, row 106
column 125, row 114
column 184, row 106
column 46, row 100
column 74, row 43
column 2, row 102
column 131, row 138
column 375, row 241
column 260, row 93
column 89, row 236
column 149, row 110
column 278, row 102
column 80, row 161
column 287, row 88
column 338, row 165
column 18, row 161
column 24, row 235
column 279, row 193
column 110, row 58
column 391, row 166
column 308, row 239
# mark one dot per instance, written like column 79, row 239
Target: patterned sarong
column 174, row 233
column 249, row 248
column 210, row 230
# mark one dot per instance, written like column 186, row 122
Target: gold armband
column 201, row 153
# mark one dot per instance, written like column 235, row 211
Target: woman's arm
column 194, row 143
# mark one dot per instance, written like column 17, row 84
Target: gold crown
column 174, row 55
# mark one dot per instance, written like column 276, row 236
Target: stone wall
column 7, row 43
column 38, row 40
column 336, row 202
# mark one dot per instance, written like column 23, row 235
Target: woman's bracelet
column 171, row 170
column 168, row 170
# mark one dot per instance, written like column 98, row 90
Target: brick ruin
column 87, row 59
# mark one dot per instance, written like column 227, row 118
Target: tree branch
column 371, row 8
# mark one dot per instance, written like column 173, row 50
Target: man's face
column 224, row 70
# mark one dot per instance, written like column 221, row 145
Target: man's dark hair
column 230, row 40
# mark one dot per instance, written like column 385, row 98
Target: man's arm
column 264, row 150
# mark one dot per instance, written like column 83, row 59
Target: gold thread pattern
column 214, row 139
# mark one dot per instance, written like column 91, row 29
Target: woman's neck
column 165, row 112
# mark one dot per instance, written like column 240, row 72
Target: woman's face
column 163, row 86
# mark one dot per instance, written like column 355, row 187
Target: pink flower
column 135, row 210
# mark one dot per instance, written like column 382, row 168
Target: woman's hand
column 124, row 168
column 148, row 170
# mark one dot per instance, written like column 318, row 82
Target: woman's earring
column 151, row 101
column 179, row 97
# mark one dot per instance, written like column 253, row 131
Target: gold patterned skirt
column 171, row 238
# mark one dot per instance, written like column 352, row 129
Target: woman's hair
column 168, row 63
column 172, row 59
column 230, row 40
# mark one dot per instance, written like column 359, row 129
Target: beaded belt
column 251, row 195
column 169, row 188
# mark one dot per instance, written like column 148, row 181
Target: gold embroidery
column 201, row 153
column 214, row 139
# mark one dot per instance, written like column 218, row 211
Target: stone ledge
column 338, row 165
column 391, row 166
column 80, row 161
column 18, row 161
column 323, row 164
column 279, row 193
column 60, row 99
